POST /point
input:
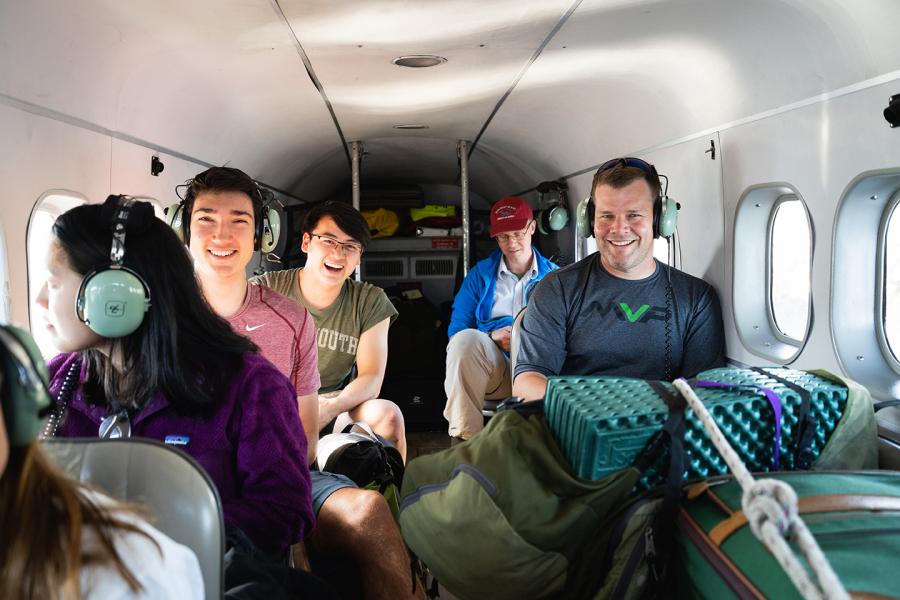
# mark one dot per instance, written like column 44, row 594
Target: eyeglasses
column 115, row 426
column 517, row 236
column 329, row 243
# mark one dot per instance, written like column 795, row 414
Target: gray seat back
column 515, row 340
column 180, row 496
column 490, row 406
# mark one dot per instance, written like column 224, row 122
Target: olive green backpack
column 504, row 516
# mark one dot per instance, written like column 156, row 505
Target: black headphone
column 113, row 299
column 665, row 210
column 267, row 220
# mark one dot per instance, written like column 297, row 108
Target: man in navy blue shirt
column 620, row 311
column 494, row 291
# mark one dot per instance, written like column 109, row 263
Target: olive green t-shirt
column 359, row 307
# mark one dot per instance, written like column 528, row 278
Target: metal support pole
column 355, row 154
column 463, row 153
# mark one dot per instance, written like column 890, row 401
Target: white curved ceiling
column 222, row 81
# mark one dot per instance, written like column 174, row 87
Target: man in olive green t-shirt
column 352, row 320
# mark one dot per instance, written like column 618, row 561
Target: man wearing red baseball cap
column 494, row 291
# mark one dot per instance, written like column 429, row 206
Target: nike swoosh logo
column 254, row 328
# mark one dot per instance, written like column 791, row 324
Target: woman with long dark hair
column 59, row 539
column 154, row 361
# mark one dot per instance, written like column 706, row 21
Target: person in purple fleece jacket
column 182, row 376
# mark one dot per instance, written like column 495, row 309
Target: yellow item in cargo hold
column 382, row 222
column 432, row 210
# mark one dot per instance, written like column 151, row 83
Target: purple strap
column 773, row 398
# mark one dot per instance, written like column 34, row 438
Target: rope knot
column 768, row 500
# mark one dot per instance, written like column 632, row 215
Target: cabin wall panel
column 40, row 154
column 818, row 149
column 130, row 173
column 695, row 181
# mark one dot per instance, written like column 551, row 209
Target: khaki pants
column 477, row 370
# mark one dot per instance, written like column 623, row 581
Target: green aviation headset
column 268, row 226
column 112, row 299
column 554, row 216
column 23, row 383
column 665, row 210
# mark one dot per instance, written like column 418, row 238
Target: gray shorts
column 325, row 484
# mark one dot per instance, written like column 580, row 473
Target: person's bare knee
column 386, row 419
column 358, row 523
column 346, row 518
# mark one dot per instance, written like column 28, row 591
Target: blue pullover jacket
column 475, row 299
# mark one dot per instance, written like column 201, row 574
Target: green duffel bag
column 504, row 516
column 854, row 442
column 854, row 516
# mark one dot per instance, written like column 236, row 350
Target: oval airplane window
column 865, row 293
column 771, row 288
column 890, row 292
column 790, row 254
column 49, row 206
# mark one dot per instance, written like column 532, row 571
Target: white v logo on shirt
column 254, row 328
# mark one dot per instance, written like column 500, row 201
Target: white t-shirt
column 170, row 571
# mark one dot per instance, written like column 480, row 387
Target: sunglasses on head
column 628, row 161
column 637, row 163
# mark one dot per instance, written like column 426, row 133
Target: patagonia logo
column 177, row 440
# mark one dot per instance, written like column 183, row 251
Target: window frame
column 855, row 317
column 751, row 274
column 891, row 211
column 5, row 290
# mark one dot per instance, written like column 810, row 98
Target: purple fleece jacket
column 253, row 447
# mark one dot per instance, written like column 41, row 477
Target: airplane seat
column 490, row 406
column 888, row 437
column 182, row 498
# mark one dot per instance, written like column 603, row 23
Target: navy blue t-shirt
column 583, row 321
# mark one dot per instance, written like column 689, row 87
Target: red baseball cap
column 510, row 214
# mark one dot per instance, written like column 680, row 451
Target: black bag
column 251, row 575
column 418, row 337
column 367, row 458
column 414, row 377
column 421, row 400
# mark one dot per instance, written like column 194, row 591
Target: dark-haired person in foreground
column 620, row 311
column 182, row 376
column 352, row 320
column 59, row 537
column 221, row 211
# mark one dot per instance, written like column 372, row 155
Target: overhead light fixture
column 419, row 61
column 410, row 126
